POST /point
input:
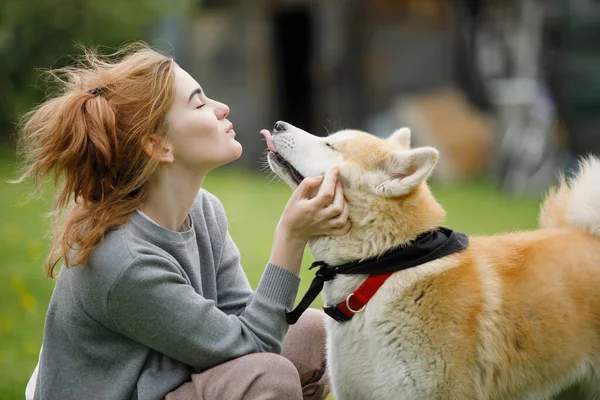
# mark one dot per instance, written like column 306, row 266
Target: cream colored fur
column 514, row 316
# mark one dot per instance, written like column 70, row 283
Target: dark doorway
column 293, row 34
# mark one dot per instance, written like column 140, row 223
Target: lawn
column 253, row 203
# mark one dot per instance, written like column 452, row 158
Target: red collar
column 356, row 301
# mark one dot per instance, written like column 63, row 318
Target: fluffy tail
column 575, row 203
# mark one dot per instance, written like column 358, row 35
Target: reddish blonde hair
column 91, row 142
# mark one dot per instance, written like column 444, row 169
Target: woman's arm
column 305, row 215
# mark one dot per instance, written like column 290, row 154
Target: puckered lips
column 278, row 159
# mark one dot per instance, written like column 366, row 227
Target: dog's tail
column 575, row 202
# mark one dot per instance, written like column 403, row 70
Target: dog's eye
column 330, row 146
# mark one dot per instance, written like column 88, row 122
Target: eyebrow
column 194, row 92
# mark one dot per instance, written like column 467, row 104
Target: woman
column 151, row 301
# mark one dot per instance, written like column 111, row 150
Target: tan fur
column 514, row 316
column 553, row 210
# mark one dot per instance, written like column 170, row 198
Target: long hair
column 88, row 138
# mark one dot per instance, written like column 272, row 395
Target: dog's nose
column 280, row 126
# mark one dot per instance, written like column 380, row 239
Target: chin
column 239, row 151
column 233, row 155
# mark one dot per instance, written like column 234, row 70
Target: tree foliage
column 38, row 34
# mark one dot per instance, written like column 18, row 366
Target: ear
column 400, row 138
column 158, row 148
column 405, row 171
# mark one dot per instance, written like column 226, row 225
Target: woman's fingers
column 327, row 190
column 342, row 231
column 338, row 204
column 338, row 213
column 341, row 219
column 327, row 212
column 307, row 185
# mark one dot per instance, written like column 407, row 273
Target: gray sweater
column 152, row 306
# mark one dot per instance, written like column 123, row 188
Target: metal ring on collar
column 350, row 308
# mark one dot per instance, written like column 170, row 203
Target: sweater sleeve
column 153, row 304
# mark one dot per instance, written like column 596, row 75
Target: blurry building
column 321, row 65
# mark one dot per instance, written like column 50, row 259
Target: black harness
column 426, row 247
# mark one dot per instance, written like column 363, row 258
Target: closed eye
column 200, row 106
column 330, row 146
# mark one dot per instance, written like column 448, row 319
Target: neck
column 170, row 196
column 380, row 224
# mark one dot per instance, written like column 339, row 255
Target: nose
column 221, row 110
column 280, row 126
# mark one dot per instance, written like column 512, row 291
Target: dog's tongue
column 267, row 136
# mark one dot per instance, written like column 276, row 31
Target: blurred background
column 507, row 90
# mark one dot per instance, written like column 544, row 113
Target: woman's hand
column 307, row 215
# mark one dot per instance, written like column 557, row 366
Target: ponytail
column 72, row 136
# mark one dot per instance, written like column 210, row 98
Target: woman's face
column 201, row 137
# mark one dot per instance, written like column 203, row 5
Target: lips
column 277, row 158
column 230, row 131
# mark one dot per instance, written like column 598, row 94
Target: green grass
column 253, row 204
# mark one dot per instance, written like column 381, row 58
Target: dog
column 512, row 316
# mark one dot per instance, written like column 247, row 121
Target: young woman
column 151, row 301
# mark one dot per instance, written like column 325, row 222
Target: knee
column 313, row 321
column 276, row 377
column 305, row 346
column 310, row 331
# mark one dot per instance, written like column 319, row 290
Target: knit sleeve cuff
column 279, row 286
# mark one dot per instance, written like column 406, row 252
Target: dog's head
column 384, row 183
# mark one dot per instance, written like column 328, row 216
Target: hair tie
column 96, row 92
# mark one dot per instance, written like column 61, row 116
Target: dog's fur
column 514, row 316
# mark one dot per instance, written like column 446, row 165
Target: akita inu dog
column 513, row 316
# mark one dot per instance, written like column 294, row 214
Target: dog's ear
column 406, row 170
column 400, row 138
